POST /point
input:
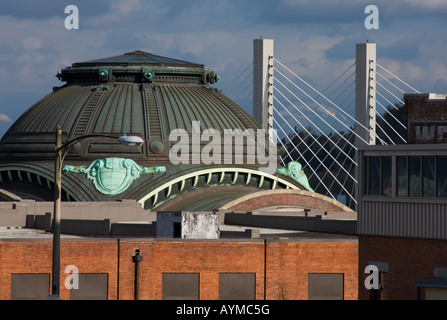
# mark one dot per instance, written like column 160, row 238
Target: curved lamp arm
column 125, row 140
column 61, row 149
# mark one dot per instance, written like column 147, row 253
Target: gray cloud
column 315, row 38
column 4, row 118
column 41, row 10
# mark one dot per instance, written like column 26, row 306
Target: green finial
column 294, row 171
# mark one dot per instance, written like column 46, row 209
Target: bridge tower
column 365, row 92
column 263, row 84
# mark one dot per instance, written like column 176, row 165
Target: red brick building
column 268, row 268
column 155, row 96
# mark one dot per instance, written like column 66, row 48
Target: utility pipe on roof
column 137, row 258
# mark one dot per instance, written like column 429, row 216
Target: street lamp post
column 56, row 213
column 61, row 150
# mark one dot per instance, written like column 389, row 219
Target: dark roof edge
column 137, row 57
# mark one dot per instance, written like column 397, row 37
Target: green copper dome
column 135, row 93
column 138, row 94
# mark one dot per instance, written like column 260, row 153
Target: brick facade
column 426, row 118
column 36, row 257
column 285, row 197
column 289, row 263
column 408, row 259
column 281, row 267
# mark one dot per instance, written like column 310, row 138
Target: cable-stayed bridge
column 322, row 129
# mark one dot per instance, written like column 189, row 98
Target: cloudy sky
column 315, row 38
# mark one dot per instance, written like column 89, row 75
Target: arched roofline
column 292, row 197
column 251, row 173
column 43, row 178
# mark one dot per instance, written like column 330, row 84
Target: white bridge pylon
column 322, row 130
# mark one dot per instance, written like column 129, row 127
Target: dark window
column 237, row 286
column 177, row 230
column 379, row 176
column 386, row 176
column 435, row 293
column 428, row 177
column 33, row 286
column 180, row 286
column 374, row 176
column 91, row 286
column 441, row 176
column 325, row 286
column 414, row 176
column 402, row 176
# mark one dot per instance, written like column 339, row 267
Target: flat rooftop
column 21, row 233
column 227, row 233
column 284, row 235
column 280, row 223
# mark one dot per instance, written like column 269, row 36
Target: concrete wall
column 196, row 225
column 13, row 214
column 191, row 225
column 201, row 225
column 41, row 222
column 95, row 228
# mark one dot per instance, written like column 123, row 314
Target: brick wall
column 426, row 118
column 36, row 257
column 407, row 258
column 287, row 264
column 205, row 258
column 291, row 197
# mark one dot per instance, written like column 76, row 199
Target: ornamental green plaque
column 294, row 171
column 113, row 176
